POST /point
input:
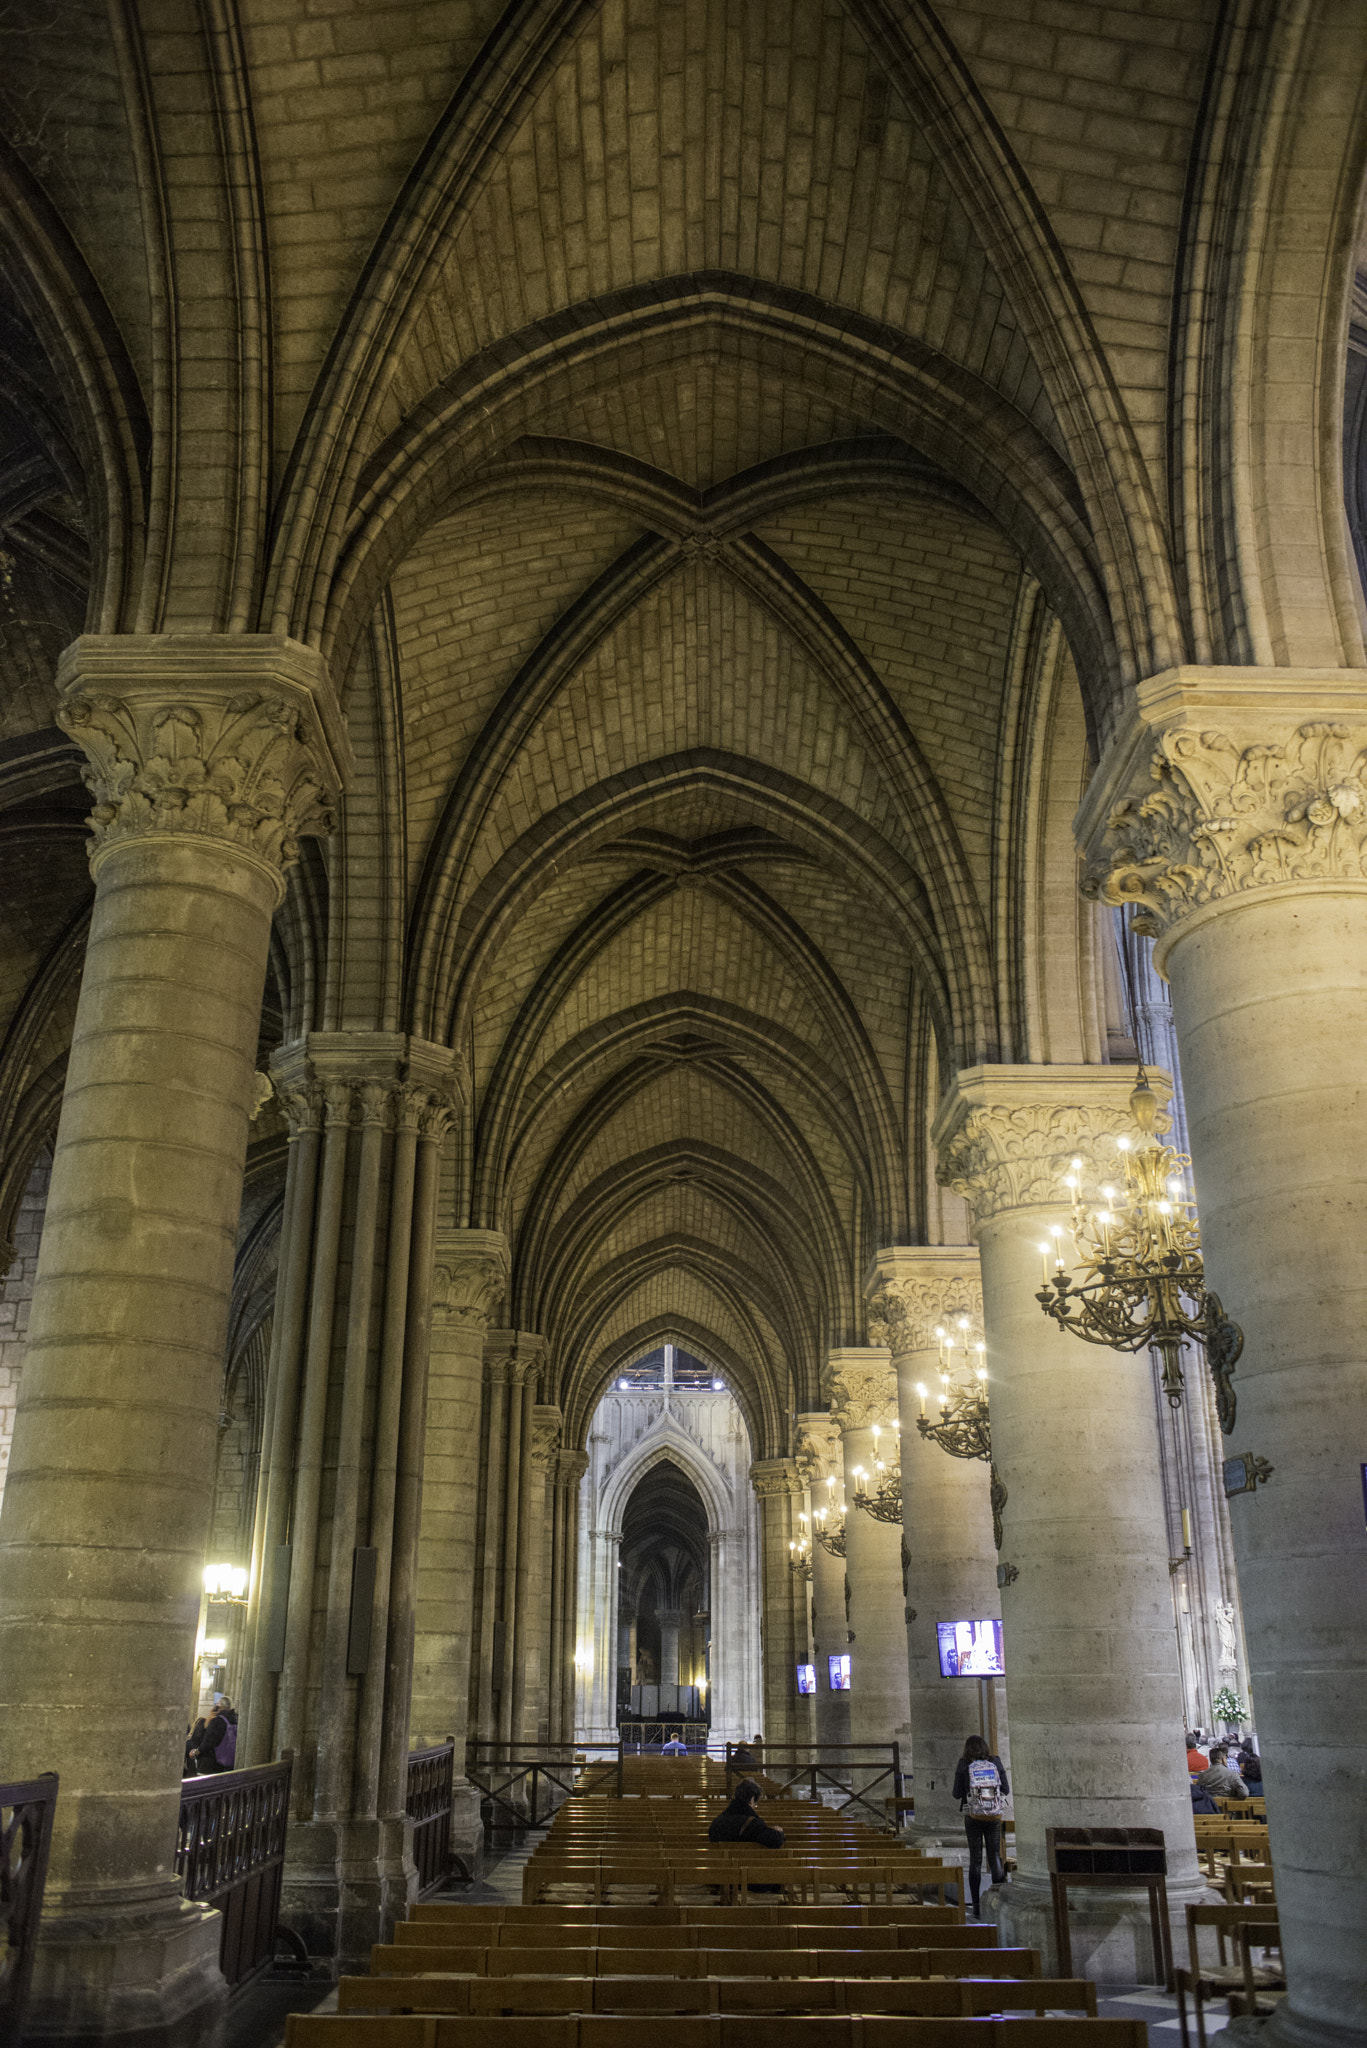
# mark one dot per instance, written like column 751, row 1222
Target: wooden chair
column 1249, row 1927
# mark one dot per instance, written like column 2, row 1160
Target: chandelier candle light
column 964, row 1429
column 830, row 1534
column 1142, row 1280
column 885, row 1502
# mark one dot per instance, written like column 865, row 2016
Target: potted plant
column 1229, row 1709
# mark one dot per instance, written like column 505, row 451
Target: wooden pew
column 747, row 2030
column 916, row 1998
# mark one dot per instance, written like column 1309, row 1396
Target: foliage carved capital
column 864, row 1395
column 1225, row 783
column 232, row 738
column 547, row 1425
column 1006, row 1136
column 469, row 1278
column 904, row 1314
column 775, row 1478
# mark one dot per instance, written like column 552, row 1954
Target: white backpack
column 984, row 1790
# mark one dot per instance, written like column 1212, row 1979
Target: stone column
column 570, row 1469
column 776, row 1483
column 534, row 1720
column 1091, row 1657
column 671, row 1620
column 1231, row 808
column 347, row 1383
column 864, row 1394
column 946, row 1521
column 470, row 1277
column 208, row 756
column 818, row 1456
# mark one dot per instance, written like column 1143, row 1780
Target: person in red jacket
column 1195, row 1760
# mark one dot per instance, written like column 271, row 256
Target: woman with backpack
column 982, row 1792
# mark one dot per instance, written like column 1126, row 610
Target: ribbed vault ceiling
column 721, row 447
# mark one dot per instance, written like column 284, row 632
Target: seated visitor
column 1219, row 1782
column 742, row 1758
column 740, row 1821
column 1196, row 1759
column 1250, row 1768
column 676, row 1746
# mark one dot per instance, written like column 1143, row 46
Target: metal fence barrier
column 844, row 1775
column 230, row 1853
column 523, row 1784
column 25, row 1837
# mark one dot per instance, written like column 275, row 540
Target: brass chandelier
column 1142, row 1279
column 885, row 1502
column 800, row 1551
column 829, row 1526
column 964, row 1429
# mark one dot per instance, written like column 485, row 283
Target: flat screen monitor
column 840, row 1672
column 970, row 1649
column 806, row 1678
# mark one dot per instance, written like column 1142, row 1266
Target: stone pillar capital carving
column 469, row 1277
column 1004, row 1136
column 862, row 1387
column 1224, row 782
column 366, row 1077
column 775, row 1478
column 912, row 1289
column 546, row 1432
column 818, row 1449
column 570, row 1468
column 236, row 738
column 513, row 1355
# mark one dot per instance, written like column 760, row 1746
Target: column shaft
column 864, row 1395
column 774, row 1481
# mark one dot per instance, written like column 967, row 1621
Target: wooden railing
column 230, row 1852
column 25, row 1837
column 431, row 1782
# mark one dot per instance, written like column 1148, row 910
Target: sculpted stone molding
column 1005, row 1135
column 516, row 1355
column 546, row 1434
column 570, row 1468
column 469, row 1278
column 818, row 1450
column 236, row 738
column 774, row 1478
column 863, row 1395
column 904, row 1314
column 375, row 1077
column 1225, row 782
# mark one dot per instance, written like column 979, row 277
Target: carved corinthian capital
column 236, row 738
column 1005, row 1135
column 913, row 1289
column 774, row 1478
column 546, row 1433
column 863, row 1388
column 1225, row 782
column 469, row 1278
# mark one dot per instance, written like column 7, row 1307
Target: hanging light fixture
column 1141, row 1281
column 964, row 1429
column 829, row 1524
column 800, row 1552
column 885, row 1502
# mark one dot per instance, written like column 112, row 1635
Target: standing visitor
column 982, row 1791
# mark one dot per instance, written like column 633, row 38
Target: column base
column 346, row 1883
column 138, row 1976
column 1112, row 1936
column 467, row 1829
column 1289, row 2029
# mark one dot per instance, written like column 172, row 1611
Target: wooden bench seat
column 938, row 1997
column 713, row 1934
column 407, row 1959
column 747, row 2030
column 759, row 1913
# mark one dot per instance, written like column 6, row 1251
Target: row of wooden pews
column 719, row 1969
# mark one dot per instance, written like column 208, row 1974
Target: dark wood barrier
column 230, row 1852
column 25, row 1837
column 431, row 1779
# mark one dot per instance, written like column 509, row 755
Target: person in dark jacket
column 204, row 1740
column 976, row 1794
column 1250, row 1768
column 740, row 1821
column 743, row 1757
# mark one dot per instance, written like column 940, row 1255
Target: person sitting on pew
column 676, row 1746
column 1197, row 1760
column 740, row 1821
column 742, row 1757
column 1250, row 1768
column 1219, row 1782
